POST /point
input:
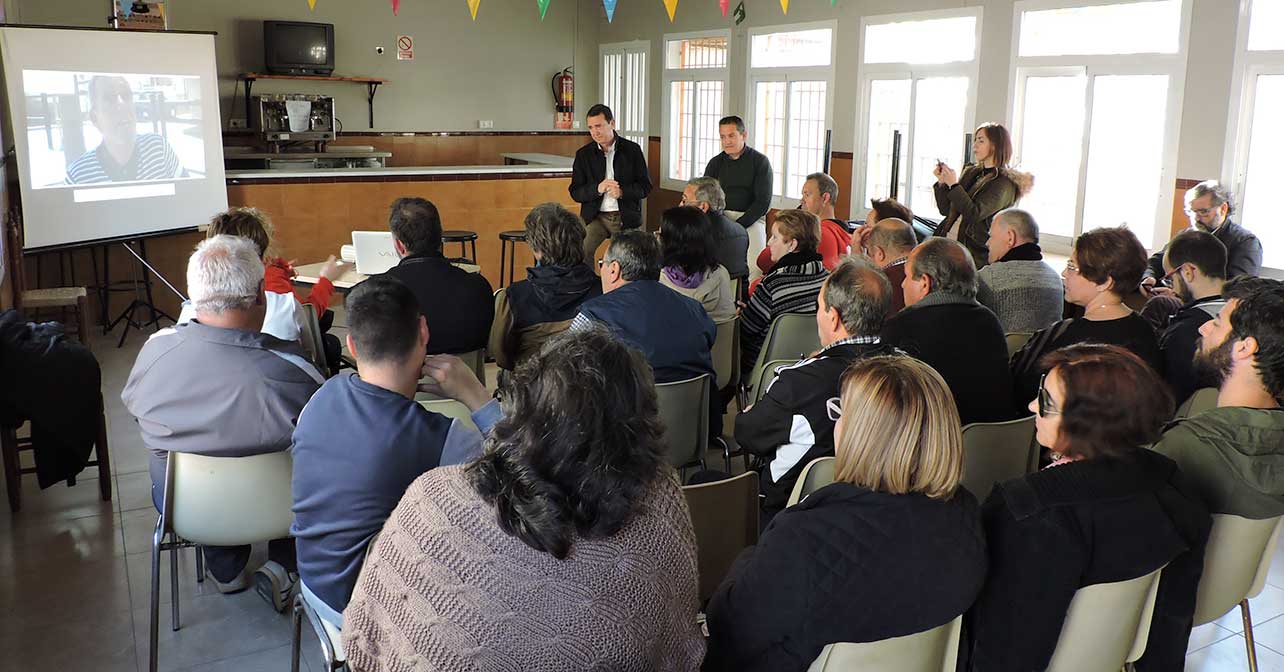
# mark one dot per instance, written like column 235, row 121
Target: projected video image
column 87, row 128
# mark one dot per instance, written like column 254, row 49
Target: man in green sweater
column 745, row 176
column 1234, row 454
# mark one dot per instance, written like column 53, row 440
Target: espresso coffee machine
column 293, row 118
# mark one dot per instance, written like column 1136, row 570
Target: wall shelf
column 372, row 86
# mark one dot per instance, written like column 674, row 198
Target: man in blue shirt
column 363, row 439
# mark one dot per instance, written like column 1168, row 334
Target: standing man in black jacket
column 745, row 176
column 608, row 180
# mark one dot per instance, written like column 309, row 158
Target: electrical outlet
column 485, row 123
column 237, row 124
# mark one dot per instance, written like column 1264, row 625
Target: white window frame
column 1249, row 65
column 1172, row 65
column 866, row 75
column 682, row 75
column 787, row 75
column 642, row 47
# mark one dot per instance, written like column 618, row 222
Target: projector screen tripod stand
column 140, row 303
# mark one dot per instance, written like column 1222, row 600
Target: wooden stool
column 507, row 238
column 464, row 238
column 11, row 446
column 62, row 298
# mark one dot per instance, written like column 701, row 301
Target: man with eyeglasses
column 793, row 423
column 1209, row 206
column 731, row 238
column 1195, row 264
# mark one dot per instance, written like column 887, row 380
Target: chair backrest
column 765, row 376
column 726, row 352
column 228, row 501
column 684, row 409
column 725, row 517
column 310, row 336
column 935, row 650
column 790, row 336
column 1016, row 341
column 451, row 409
column 1236, row 561
column 1106, row 625
column 817, row 474
column 476, row 360
column 994, row 452
column 1205, row 398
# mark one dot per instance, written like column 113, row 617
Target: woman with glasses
column 1107, row 509
column 892, row 547
column 690, row 267
column 1105, row 266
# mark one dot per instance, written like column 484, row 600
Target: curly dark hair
column 556, row 233
column 1259, row 312
column 686, row 240
column 1114, row 402
column 579, row 445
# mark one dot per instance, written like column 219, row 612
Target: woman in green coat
column 986, row 187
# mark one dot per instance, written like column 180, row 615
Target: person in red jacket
column 819, row 193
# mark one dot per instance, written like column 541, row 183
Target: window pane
column 802, row 47
column 698, row 52
column 889, row 110
column 769, row 137
column 709, row 106
column 932, row 41
column 1264, row 32
column 939, row 107
column 806, row 135
column 612, row 81
column 634, row 105
column 1266, row 145
column 1126, row 28
column 681, row 124
column 1125, row 153
column 1051, row 148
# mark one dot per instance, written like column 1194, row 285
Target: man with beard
column 1195, row 262
column 1209, row 206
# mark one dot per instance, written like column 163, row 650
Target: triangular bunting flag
column 724, row 5
column 472, row 7
column 610, row 9
column 312, row 5
column 784, row 6
column 739, row 14
column 543, row 8
column 126, row 8
column 396, row 6
column 671, row 6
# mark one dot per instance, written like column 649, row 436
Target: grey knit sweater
column 1025, row 295
column 445, row 588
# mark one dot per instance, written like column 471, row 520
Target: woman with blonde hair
column 892, row 547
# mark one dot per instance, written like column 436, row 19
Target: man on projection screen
column 123, row 155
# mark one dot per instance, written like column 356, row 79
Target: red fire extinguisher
column 563, row 98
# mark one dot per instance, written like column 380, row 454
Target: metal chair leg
column 298, row 634
column 158, row 536
column 173, row 581
column 200, row 564
column 1248, row 635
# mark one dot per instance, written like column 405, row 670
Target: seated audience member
column 790, row 287
column 534, row 310
column 672, row 330
column 943, row 325
column 1106, row 510
column 1105, row 265
column 1209, row 206
column 1195, row 263
column 886, row 208
column 790, row 425
column 819, row 193
column 368, row 427
column 1023, row 291
column 731, row 241
column 892, row 547
column 458, row 305
column 689, row 265
column 219, row 386
column 567, row 546
column 888, row 244
column 279, row 319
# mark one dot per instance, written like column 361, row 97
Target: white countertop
column 541, row 159
column 234, row 175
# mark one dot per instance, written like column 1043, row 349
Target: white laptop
column 375, row 252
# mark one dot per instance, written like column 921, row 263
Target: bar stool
column 507, row 238
column 464, row 238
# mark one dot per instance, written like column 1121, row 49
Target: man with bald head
column 1023, row 291
column 944, row 326
column 888, row 244
column 124, row 155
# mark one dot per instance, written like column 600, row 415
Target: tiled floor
column 75, row 572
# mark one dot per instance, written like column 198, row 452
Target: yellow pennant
column 784, row 6
column 312, row 5
column 472, row 7
column 671, row 6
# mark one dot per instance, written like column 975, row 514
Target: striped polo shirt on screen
column 153, row 159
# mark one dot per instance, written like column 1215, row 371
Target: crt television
column 296, row 48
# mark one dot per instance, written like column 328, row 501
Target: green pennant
column 543, row 8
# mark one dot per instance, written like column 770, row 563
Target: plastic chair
column 726, row 352
column 766, row 375
column 217, row 501
column 817, row 474
column 310, row 336
column 1205, row 398
column 451, row 409
column 725, row 517
column 935, row 650
column 330, row 637
column 1236, row 562
column 1106, row 626
column 684, row 409
column 1016, row 341
column 791, row 337
column 994, row 452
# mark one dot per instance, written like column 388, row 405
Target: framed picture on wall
column 141, row 15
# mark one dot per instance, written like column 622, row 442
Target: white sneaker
column 275, row 585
